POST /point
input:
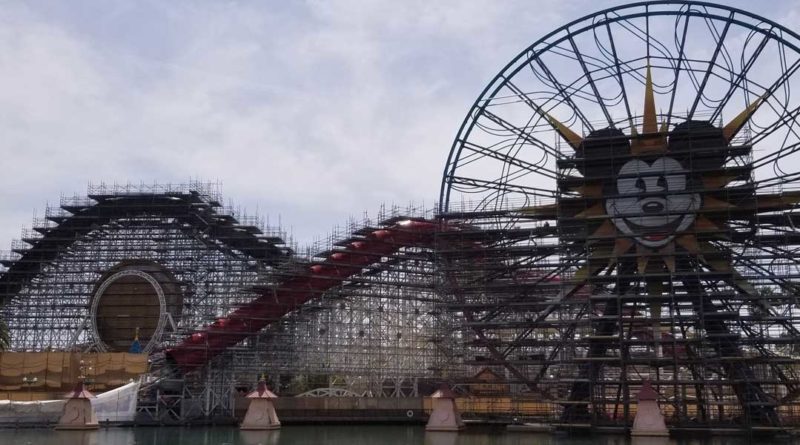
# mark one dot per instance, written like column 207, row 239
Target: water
column 329, row 434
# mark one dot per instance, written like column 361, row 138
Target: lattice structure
column 127, row 259
column 638, row 169
column 380, row 332
column 52, row 273
column 620, row 204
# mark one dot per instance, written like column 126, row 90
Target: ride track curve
column 189, row 209
column 201, row 220
column 201, row 347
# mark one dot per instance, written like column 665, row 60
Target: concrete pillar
column 261, row 413
column 78, row 413
column 649, row 420
column 445, row 415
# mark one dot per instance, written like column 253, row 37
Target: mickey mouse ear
column 732, row 128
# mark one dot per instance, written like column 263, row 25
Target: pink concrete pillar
column 261, row 413
column 445, row 415
column 78, row 413
column 649, row 420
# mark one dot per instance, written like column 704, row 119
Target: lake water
column 329, row 434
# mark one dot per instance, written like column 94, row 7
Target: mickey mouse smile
column 653, row 202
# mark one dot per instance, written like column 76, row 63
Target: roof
column 80, row 392
column 262, row 392
column 647, row 392
column 444, row 392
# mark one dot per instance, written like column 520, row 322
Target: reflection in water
column 251, row 437
column 115, row 436
column 642, row 440
column 440, row 438
column 332, row 435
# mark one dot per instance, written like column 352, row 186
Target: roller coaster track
column 198, row 217
column 191, row 212
column 275, row 302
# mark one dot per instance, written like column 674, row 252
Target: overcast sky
column 314, row 111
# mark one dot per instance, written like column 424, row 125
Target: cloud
column 313, row 111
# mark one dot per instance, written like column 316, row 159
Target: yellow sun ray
column 782, row 201
column 572, row 138
column 642, row 258
column 732, row 128
column 711, row 203
column 703, row 224
column 621, row 245
column 717, row 182
column 652, row 140
column 546, row 211
column 668, row 256
column 689, row 242
column 649, row 124
column 594, row 210
column 590, row 190
column 607, row 229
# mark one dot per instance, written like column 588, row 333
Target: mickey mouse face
column 653, row 203
column 652, row 196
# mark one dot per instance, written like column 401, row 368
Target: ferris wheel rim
column 506, row 73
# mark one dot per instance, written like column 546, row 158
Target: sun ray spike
column 652, row 139
column 649, row 124
column 732, row 128
column 668, row 256
column 642, row 258
column 572, row 138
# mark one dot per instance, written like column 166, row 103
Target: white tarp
column 117, row 405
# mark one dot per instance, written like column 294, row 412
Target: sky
column 307, row 112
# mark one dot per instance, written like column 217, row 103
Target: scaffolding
column 583, row 258
column 650, row 201
column 575, row 312
column 378, row 332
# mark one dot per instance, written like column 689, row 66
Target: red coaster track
column 197, row 349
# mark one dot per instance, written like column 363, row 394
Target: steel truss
column 615, row 242
column 379, row 331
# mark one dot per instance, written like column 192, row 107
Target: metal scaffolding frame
column 378, row 332
column 638, row 167
column 578, row 263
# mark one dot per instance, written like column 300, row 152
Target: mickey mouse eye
column 640, row 184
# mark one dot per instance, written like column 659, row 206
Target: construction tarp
column 115, row 406
column 59, row 371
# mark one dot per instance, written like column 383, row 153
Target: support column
column 649, row 420
column 78, row 412
column 261, row 413
column 445, row 415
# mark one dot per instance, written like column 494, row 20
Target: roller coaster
column 620, row 204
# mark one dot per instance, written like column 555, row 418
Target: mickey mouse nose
column 653, row 207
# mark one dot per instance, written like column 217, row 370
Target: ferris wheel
column 637, row 171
